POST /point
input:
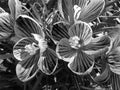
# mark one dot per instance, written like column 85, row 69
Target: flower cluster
column 72, row 35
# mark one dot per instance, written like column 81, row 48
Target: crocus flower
column 79, row 48
column 84, row 10
column 73, row 11
column 114, row 55
column 111, row 73
column 32, row 50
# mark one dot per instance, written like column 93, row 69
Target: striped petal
column 115, row 42
column 115, row 81
column 82, row 30
column 98, row 43
column 64, row 50
column 91, row 10
column 25, row 48
column 5, row 24
column 65, row 8
column 82, row 64
column 80, row 3
column 27, row 68
column 59, row 31
column 48, row 62
column 114, row 60
column 26, row 26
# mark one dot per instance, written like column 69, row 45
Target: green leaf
column 66, row 9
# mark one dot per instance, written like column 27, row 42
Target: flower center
column 42, row 44
column 31, row 48
column 75, row 42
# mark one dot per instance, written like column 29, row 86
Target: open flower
column 114, row 55
column 73, row 11
column 111, row 65
column 84, row 10
column 32, row 50
column 79, row 48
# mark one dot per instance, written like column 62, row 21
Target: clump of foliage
column 60, row 45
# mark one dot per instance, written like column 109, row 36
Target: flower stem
column 38, row 81
column 76, row 81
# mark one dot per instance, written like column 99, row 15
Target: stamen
column 31, row 48
column 74, row 42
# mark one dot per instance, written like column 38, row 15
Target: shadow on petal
column 48, row 62
column 28, row 68
column 82, row 64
